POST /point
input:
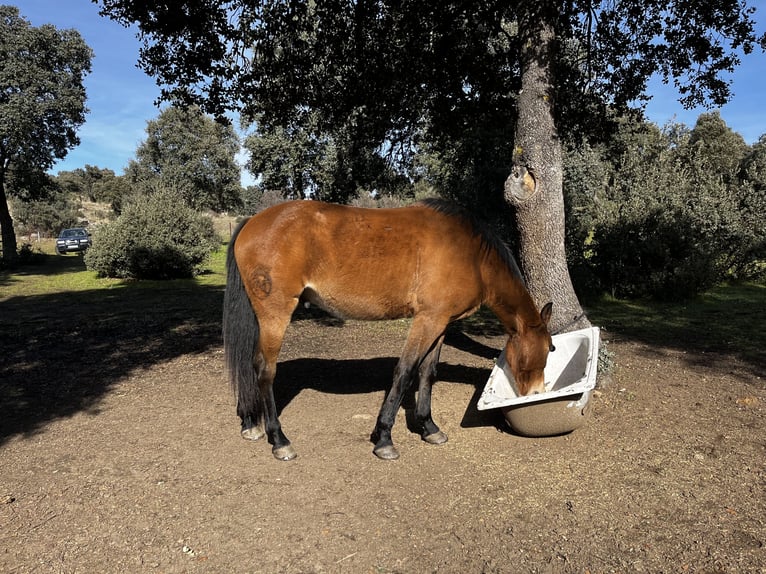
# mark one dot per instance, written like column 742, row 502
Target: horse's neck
column 507, row 297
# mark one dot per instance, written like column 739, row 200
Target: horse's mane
column 490, row 240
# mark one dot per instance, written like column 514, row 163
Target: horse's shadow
column 360, row 376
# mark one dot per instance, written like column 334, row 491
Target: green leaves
column 377, row 75
column 665, row 213
column 42, row 97
column 188, row 151
column 42, row 101
column 157, row 237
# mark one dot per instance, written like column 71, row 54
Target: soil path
column 669, row 474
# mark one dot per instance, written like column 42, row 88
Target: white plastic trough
column 570, row 377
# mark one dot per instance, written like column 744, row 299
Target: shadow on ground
column 359, row 376
column 43, row 264
column 62, row 352
column 725, row 323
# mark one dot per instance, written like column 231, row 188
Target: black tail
column 240, row 336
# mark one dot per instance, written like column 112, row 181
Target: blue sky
column 121, row 97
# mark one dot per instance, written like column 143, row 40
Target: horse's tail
column 240, row 336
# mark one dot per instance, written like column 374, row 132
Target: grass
column 68, row 337
column 728, row 320
column 50, row 273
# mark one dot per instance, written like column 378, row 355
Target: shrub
column 657, row 215
column 155, row 237
column 677, row 233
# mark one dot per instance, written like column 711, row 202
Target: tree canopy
column 383, row 66
column 331, row 86
column 42, row 101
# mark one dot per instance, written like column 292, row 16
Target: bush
column 156, row 237
column 674, row 239
column 661, row 253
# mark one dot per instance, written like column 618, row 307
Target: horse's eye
column 552, row 348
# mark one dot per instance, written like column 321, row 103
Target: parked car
column 73, row 240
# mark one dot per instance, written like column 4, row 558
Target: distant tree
column 42, row 102
column 717, row 146
column 112, row 189
column 47, row 216
column 96, row 184
column 188, row 151
column 297, row 160
column 84, row 181
column 256, row 198
column 302, row 160
column 753, row 168
column 753, row 178
column 71, row 182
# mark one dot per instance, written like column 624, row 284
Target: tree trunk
column 10, row 252
column 535, row 186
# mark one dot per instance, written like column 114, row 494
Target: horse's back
column 357, row 262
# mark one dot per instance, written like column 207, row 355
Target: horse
column 431, row 261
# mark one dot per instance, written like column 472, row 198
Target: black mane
column 489, row 238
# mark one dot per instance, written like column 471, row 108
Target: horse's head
column 527, row 352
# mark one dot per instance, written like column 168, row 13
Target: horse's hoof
column 253, row 433
column 436, row 438
column 387, row 452
column 286, row 452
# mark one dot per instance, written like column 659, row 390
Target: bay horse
column 430, row 261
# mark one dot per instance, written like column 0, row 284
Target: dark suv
column 73, row 240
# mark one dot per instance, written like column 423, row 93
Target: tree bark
column 10, row 251
column 535, row 186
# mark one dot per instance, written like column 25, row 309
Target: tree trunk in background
column 10, row 253
column 535, row 186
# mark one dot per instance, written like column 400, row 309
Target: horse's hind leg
column 269, row 345
column 280, row 444
column 251, row 430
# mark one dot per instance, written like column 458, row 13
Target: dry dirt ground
column 120, row 452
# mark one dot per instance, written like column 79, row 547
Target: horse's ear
column 546, row 313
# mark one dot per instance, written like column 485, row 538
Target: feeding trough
column 570, row 377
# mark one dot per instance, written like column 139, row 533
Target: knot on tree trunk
column 520, row 185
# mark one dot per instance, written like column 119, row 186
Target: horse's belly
column 358, row 305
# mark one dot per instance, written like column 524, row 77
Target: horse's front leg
column 427, row 375
column 381, row 436
column 425, row 336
